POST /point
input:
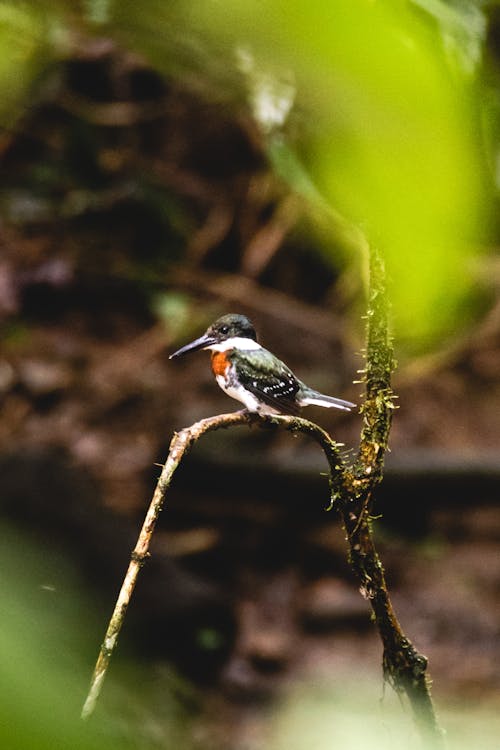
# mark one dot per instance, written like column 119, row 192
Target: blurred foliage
column 391, row 139
column 462, row 26
column 325, row 715
column 24, row 42
column 370, row 110
column 48, row 642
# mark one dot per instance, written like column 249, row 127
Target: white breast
column 246, row 398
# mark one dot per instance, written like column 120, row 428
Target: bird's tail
column 315, row 398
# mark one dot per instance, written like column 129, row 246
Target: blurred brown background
column 136, row 208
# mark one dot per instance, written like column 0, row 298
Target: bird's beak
column 202, row 343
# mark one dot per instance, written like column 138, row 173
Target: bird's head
column 229, row 330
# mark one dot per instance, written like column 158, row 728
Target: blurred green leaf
column 462, row 24
column 173, row 309
column 389, row 128
column 389, row 138
column 48, row 644
column 24, row 29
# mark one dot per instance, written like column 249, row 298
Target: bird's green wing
column 268, row 378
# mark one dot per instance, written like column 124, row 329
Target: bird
column 253, row 375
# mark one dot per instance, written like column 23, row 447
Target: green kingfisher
column 251, row 374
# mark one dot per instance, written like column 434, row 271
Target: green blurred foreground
column 49, row 638
column 377, row 104
column 391, row 137
column 47, row 648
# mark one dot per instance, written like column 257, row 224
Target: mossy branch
column 404, row 668
column 352, row 494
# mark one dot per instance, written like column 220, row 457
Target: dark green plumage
column 267, row 378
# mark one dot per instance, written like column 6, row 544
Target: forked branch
column 179, row 447
column 351, row 488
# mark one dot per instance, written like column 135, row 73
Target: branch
column 404, row 667
column 378, row 404
column 179, row 447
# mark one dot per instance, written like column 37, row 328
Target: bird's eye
column 224, row 329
